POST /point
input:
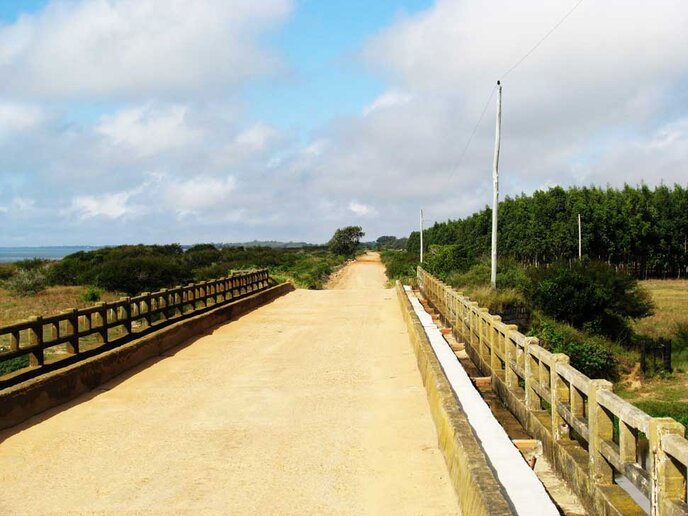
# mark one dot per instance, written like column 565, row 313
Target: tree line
column 641, row 230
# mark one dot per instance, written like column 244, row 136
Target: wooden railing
column 72, row 335
column 545, row 392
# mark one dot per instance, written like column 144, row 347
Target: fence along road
column 312, row 404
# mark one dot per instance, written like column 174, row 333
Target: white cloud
column 603, row 100
column 136, row 47
column 198, row 194
column 17, row 117
column 110, row 205
column 148, row 130
column 250, row 143
column 360, row 209
column 387, row 100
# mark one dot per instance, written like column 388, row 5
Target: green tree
column 345, row 241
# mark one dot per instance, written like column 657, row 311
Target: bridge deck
column 312, row 404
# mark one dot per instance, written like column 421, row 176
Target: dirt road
column 312, row 404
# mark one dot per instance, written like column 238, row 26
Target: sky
column 160, row 121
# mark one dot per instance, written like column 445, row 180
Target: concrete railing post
column 600, row 428
column 559, row 394
column 72, row 330
column 510, row 355
column 36, row 358
column 666, row 479
column 493, row 338
column 532, row 374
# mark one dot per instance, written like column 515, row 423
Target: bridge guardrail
column 81, row 333
column 572, row 414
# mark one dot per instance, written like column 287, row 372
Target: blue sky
column 228, row 120
column 321, row 43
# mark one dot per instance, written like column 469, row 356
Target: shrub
column 31, row 264
column 444, row 259
column 508, row 303
column 510, row 275
column 589, row 295
column 26, row 282
column 7, row 270
column 400, row 265
column 139, row 274
column 13, row 364
column 91, row 294
column 588, row 355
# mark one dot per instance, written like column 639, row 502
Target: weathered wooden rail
column 590, row 434
column 59, row 340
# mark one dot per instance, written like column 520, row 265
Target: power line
column 551, row 31
column 475, row 129
column 505, row 74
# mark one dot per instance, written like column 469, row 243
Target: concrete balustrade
column 78, row 334
column 590, row 435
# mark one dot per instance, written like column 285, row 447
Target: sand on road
column 311, row 404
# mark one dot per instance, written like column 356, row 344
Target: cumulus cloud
column 200, row 193
column 607, row 84
column 387, row 100
column 136, row 47
column 602, row 101
column 18, row 117
column 147, row 131
column 111, row 206
column 361, row 209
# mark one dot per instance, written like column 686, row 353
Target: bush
column 141, row 274
column 588, row 355
column 91, row 294
column 7, row 270
column 510, row 275
column 26, row 282
column 400, row 265
column 444, row 259
column 508, row 303
column 13, row 364
column 31, row 264
column 589, row 295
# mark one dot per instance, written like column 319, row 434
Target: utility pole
column 421, row 235
column 580, row 239
column 495, row 185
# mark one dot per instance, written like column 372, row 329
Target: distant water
column 13, row 254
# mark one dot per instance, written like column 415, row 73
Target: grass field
column 664, row 395
column 51, row 301
column 671, row 300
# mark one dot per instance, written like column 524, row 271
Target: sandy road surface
column 312, row 404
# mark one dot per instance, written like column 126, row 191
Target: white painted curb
column 521, row 485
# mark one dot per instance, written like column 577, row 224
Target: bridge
column 242, row 396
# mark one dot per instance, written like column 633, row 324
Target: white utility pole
column 495, row 185
column 580, row 238
column 421, row 235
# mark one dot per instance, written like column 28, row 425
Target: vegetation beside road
column 38, row 287
column 642, row 230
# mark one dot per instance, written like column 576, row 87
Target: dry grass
column 53, row 300
column 671, row 300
